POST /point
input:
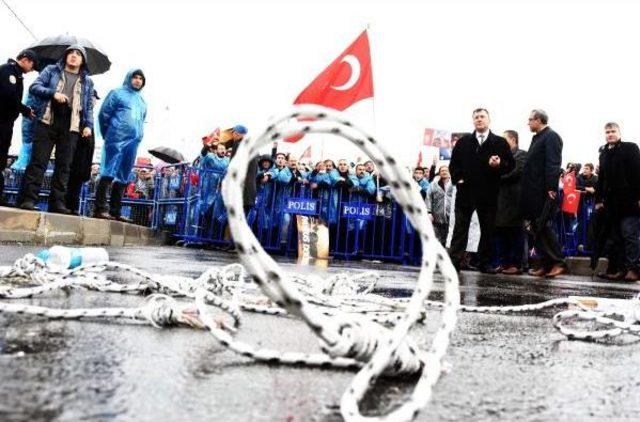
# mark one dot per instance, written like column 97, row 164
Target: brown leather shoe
column 540, row 272
column 512, row 271
column 632, row 276
column 556, row 271
column 103, row 215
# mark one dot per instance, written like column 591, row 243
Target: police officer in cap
column 11, row 88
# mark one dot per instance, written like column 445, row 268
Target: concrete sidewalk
column 41, row 228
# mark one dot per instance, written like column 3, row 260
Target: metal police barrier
column 186, row 202
column 13, row 183
column 173, row 187
column 138, row 206
column 204, row 215
column 272, row 219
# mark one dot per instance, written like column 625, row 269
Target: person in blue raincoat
column 421, row 180
column 363, row 191
column 121, row 121
column 213, row 166
column 27, row 139
column 321, row 181
column 281, row 179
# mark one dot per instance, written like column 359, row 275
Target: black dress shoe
column 29, row 206
column 467, row 267
column 103, row 215
column 488, row 270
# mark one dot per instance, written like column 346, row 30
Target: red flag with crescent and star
column 347, row 80
column 571, row 196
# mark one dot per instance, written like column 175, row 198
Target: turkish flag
column 571, row 202
column 347, row 80
column 569, row 182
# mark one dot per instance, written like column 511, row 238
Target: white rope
column 343, row 335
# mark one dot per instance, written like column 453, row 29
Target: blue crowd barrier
column 187, row 203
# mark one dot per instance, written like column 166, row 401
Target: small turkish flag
column 569, row 182
column 347, row 80
column 571, row 202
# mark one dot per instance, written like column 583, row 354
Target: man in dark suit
column 477, row 162
column 618, row 197
column 538, row 202
column 509, row 220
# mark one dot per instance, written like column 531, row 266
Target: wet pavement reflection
column 503, row 367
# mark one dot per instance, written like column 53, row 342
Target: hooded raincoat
column 121, row 121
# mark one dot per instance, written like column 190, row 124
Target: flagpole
column 373, row 111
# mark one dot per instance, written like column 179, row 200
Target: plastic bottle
column 64, row 257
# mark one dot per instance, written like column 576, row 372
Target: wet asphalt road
column 502, row 367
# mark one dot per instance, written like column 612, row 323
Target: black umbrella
column 168, row 155
column 51, row 49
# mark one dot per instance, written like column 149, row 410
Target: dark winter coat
column 508, row 214
column 45, row 86
column 470, row 162
column 582, row 183
column 541, row 172
column 11, row 89
column 619, row 179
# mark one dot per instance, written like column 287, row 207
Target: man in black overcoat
column 509, row 219
column 477, row 162
column 618, row 197
column 538, row 202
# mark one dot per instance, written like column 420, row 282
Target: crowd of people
column 508, row 194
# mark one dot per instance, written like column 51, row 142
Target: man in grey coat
column 438, row 201
column 509, row 223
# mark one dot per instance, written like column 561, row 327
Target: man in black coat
column 509, row 219
column 11, row 89
column 618, row 197
column 539, row 193
column 477, row 162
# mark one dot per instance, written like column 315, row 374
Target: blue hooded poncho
column 121, row 121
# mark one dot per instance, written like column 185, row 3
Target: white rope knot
column 345, row 284
column 163, row 311
column 359, row 339
column 29, row 267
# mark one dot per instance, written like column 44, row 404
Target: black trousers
column 6, row 133
column 624, row 245
column 74, row 190
column 547, row 244
column 487, row 218
column 511, row 245
column 442, row 231
column 80, row 171
column 45, row 138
